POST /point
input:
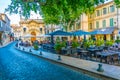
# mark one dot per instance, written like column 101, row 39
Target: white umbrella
column 28, row 36
column 42, row 35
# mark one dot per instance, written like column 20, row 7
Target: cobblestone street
column 16, row 65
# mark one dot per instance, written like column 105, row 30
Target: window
column 90, row 26
column 104, row 11
column 0, row 24
column 104, row 23
column 101, row 11
column 90, row 16
column 111, row 22
column 24, row 29
column 97, row 24
column 98, row 12
column 40, row 29
column 112, row 8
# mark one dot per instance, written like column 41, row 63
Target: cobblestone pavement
column 17, row 65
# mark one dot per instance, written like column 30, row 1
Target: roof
column 30, row 20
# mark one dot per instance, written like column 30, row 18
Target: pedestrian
column 1, row 42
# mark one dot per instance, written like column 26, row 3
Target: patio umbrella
column 42, row 35
column 80, row 32
column 59, row 33
column 28, row 36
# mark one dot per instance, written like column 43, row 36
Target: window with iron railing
column 97, row 24
column 90, row 26
column 104, row 11
column 104, row 23
column 112, row 8
column 98, row 13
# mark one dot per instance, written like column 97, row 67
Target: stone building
column 32, row 27
column 16, row 29
column 5, row 28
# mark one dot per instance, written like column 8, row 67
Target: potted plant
column 99, row 43
column 88, row 43
column 108, row 44
column 58, row 46
column 35, row 46
column 117, row 41
column 74, row 45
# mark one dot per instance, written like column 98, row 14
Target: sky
column 15, row 18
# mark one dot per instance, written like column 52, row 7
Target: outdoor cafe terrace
column 95, row 50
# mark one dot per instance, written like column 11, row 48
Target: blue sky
column 14, row 17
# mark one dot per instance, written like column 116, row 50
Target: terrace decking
column 109, row 70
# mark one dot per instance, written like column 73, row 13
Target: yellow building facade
column 34, row 27
column 105, row 16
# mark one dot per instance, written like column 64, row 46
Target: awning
column 80, row 32
column 108, row 30
column 60, row 33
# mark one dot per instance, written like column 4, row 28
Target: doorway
column 34, row 36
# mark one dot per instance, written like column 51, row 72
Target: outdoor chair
column 115, row 58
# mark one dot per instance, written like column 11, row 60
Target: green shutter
column 111, row 22
column 97, row 24
column 104, row 23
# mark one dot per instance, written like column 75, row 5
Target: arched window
column 24, row 29
column 41, row 30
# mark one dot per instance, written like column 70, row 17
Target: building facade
column 32, row 27
column 5, row 28
column 106, row 15
column 16, row 29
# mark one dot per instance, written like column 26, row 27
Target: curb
column 6, row 44
column 85, row 71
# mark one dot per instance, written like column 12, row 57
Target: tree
column 65, row 12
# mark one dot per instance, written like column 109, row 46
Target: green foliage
column 109, row 43
column 65, row 12
column 59, row 45
column 75, row 44
column 88, row 43
column 36, row 47
column 117, row 41
column 99, row 42
column 117, row 2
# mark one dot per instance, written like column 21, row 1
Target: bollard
column 30, row 50
column 100, row 69
column 23, row 49
column 59, row 57
column 40, row 52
